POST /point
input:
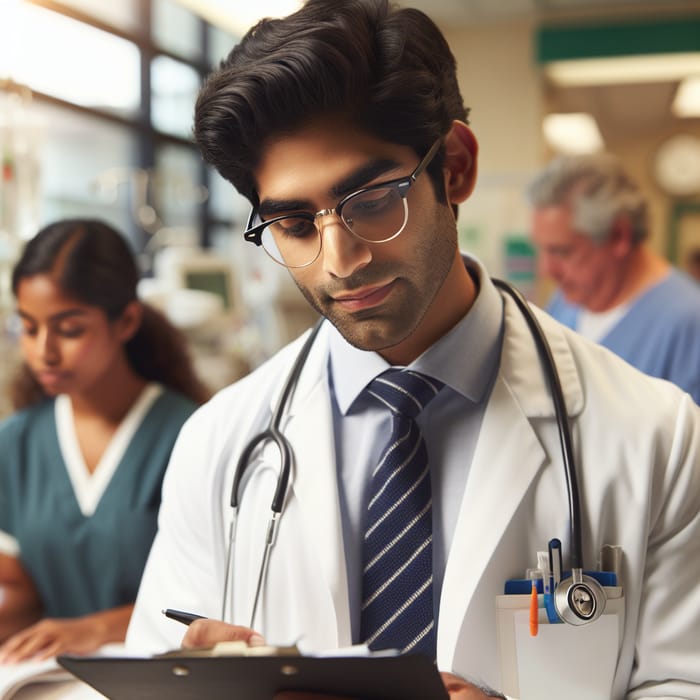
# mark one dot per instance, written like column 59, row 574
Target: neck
column 640, row 270
column 111, row 400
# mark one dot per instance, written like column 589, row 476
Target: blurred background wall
column 96, row 106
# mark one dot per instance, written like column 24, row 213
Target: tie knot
column 404, row 391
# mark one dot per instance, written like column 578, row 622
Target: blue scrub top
column 659, row 334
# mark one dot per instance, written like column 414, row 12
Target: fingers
column 206, row 633
column 459, row 689
column 36, row 642
column 51, row 637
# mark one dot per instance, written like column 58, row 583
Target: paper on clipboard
column 46, row 680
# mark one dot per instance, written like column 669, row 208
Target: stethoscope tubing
column 557, row 393
column 272, row 434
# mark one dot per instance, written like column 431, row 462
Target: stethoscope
column 578, row 598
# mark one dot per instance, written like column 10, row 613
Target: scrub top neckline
column 89, row 488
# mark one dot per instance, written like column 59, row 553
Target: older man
column 590, row 226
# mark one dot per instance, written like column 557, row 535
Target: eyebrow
column 360, row 177
column 356, row 180
column 60, row 316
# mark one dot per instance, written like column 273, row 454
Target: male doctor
column 344, row 126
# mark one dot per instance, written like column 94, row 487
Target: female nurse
column 106, row 384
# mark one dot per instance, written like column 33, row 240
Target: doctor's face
column 388, row 297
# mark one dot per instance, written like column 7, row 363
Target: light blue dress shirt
column 466, row 359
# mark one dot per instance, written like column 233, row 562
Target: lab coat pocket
column 562, row 660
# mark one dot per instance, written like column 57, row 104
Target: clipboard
column 406, row 677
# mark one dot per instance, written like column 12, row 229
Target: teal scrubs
column 84, row 563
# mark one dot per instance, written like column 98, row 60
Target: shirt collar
column 465, row 358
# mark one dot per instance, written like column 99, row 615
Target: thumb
column 206, row 633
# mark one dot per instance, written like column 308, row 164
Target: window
column 64, row 58
column 123, row 15
column 176, row 192
column 176, row 29
column 86, row 167
column 108, row 129
column 174, row 88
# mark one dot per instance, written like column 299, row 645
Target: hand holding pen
column 213, row 631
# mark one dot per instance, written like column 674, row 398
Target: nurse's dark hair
column 92, row 263
column 387, row 71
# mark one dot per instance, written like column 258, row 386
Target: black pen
column 185, row 617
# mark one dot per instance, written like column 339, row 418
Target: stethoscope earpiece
column 579, row 599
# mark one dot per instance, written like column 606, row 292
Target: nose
column 47, row 348
column 342, row 253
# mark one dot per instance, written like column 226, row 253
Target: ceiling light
column 686, row 103
column 573, row 133
column 238, row 17
column 651, row 68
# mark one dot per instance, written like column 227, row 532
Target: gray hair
column 598, row 190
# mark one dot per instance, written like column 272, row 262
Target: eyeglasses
column 374, row 214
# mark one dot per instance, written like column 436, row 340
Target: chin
column 369, row 342
column 379, row 337
column 572, row 297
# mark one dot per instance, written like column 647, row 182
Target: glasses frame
column 253, row 234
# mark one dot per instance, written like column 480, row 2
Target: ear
column 129, row 321
column 461, row 150
column 620, row 238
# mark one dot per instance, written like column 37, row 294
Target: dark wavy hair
column 389, row 71
column 93, row 263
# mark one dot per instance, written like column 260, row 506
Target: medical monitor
column 198, row 269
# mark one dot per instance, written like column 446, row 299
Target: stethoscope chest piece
column 579, row 599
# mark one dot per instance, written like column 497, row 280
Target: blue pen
column 554, row 548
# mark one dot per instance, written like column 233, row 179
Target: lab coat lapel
column 309, row 428
column 507, row 457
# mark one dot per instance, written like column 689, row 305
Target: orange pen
column 534, row 613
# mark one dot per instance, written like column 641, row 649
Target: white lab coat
column 637, row 441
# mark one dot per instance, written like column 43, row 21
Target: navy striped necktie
column 397, row 582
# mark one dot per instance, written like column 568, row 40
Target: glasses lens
column 376, row 214
column 293, row 241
